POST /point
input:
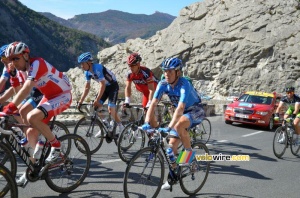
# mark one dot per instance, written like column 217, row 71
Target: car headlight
column 229, row 108
column 263, row 113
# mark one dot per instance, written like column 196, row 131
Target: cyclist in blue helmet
column 108, row 87
column 188, row 112
column 5, row 75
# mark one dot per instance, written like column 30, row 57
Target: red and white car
column 255, row 108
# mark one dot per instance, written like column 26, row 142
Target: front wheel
column 144, row 174
column 194, row 175
column 294, row 146
column 7, row 158
column 87, row 129
column 131, row 140
column 8, row 186
column 72, row 167
column 280, row 141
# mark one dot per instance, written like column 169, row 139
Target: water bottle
column 171, row 155
column 38, row 149
column 25, row 144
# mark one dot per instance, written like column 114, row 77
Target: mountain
column 226, row 46
column 58, row 44
column 116, row 26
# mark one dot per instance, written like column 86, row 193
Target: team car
column 256, row 108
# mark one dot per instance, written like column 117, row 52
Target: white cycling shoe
column 282, row 139
column 166, row 186
column 22, row 181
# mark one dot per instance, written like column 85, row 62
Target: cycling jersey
column 290, row 103
column 142, row 79
column 49, row 80
column 182, row 92
column 5, row 74
column 100, row 73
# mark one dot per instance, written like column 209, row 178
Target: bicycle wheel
column 130, row 141
column 8, row 186
column 73, row 166
column 279, row 146
column 294, row 147
column 58, row 128
column 193, row 176
column 202, row 131
column 144, row 174
column 88, row 129
column 7, row 158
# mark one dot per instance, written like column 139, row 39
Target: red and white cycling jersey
column 49, row 80
column 142, row 79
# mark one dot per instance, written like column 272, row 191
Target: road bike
column 63, row 175
column 145, row 172
column 57, row 128
column 284, row 137
column 88, row 126
column 8, row 186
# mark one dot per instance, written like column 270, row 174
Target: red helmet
column 133, row 59
column 16, row 48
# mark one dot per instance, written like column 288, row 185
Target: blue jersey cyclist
column 189, row 111
column 108, row 86
column 293, row 102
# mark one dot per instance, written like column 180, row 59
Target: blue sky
column 69, row 8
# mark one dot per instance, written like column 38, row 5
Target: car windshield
column 256, row 99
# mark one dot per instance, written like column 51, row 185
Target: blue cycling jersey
column 182, row 92
column 100, row 73
column 5, row 74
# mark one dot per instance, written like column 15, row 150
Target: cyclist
column 293, row 101
column 54, row 85
column 108, row 86
column 189, row 111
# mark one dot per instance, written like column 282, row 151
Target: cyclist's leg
column 40, row 116
column 153, row 120
column 112, row 101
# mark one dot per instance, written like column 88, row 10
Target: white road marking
column 252, row 133
column 222, row 141
column 110, row 161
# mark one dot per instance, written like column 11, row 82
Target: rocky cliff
column 229, row 45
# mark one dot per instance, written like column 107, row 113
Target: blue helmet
column 172, row 63
column 2, row 50
column 85, row 57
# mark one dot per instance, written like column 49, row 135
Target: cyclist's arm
column 151, row 90
column 7, row 94
column 101, row 90
column 177, row 114
column 279, row 107
column 297, row 107
column 128, row 89
column 150, row 111
column 2, row 83
column 85, row 91
column 24, row 92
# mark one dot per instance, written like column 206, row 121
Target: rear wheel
column 72, row 167
column 202, row 131
column 294, row 146
column 280, row 141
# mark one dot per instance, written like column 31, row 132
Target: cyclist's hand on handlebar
column 146, row 126
column 164, row 130
column 126, row 105
column 293, row 116
column 78, row 106
column 10, row 108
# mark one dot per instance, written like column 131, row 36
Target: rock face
column 227, row 46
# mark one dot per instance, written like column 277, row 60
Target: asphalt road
column 263, row 176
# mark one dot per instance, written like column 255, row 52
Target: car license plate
column 241, row 115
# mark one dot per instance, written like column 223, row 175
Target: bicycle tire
column 58, row 129
column 202, row 131
column 135, row 142
column 72, row 160
column 201, row 167
column 279, row 148
column 136, row 183
column 7, row 158
column 83, row 126
column 294, row 147
column 8, row 186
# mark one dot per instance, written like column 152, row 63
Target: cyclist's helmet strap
column 133, row 59
column 85, row 57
